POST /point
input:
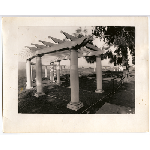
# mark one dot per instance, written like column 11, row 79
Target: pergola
column 53, row 68
column 62, row 50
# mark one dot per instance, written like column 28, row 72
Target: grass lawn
column 57, row 97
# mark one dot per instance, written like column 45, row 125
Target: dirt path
column 123, row 101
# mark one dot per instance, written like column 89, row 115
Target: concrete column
column 45, row 71
column 31, row 74
column 28, row 74
column 75, row 104
column 94, row 67
column 55, row 70
column 39, row 77
column 52, row 74
column 99, row 75
column 58, row 72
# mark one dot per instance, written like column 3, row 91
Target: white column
column 58, row 72
column 55, row 70
column 52, row 74
column 99, row 75
column 28, row 74
column 39, row 77
column 31, row 74
column 75, row 104
column 94, row 67
column 45, row 71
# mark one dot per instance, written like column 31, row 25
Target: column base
column 39, row 94
column 52, row 81
column 59, row 83
column 75, row 106
column 28, row 87
column 99, row 91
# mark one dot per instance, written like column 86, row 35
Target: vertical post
column 28, row 74
column 99, row 75
column 52, row 72
column 94, row 67
column 55, row 70
column 39, row 77
column 75, row 104
column 58, row 72
column 31, row 74
column 45, row 71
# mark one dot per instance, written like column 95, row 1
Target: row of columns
column 52, row 69
column 75, row 103
column 39, row 75
column 52, row 72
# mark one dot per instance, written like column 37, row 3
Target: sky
column 32, row 34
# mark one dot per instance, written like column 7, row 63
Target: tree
column 122, row 36
column 80, row 32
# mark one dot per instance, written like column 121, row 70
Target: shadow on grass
column 57, row 97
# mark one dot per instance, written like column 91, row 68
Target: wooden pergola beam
column 68, row 36
column 56, row 40
column 39, row 46
column 67, row 45
column 49, row 44
column 33, row 48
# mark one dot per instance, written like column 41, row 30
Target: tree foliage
column 80, row 32
column 122, row 36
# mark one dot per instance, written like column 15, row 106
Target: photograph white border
column 16, row 123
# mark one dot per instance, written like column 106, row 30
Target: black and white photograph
column 75, row 74
column 76, row 70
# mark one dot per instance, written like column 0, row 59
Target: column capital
column 99, row 56
column 28, row 59
column 75, row 49
column 51, row 63
column 39, row 55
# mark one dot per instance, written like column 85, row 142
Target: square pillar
column 28, row 74
column 99, row 75
column 39, row 77
column 75, row 104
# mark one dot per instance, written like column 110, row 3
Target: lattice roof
column 61, row 50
